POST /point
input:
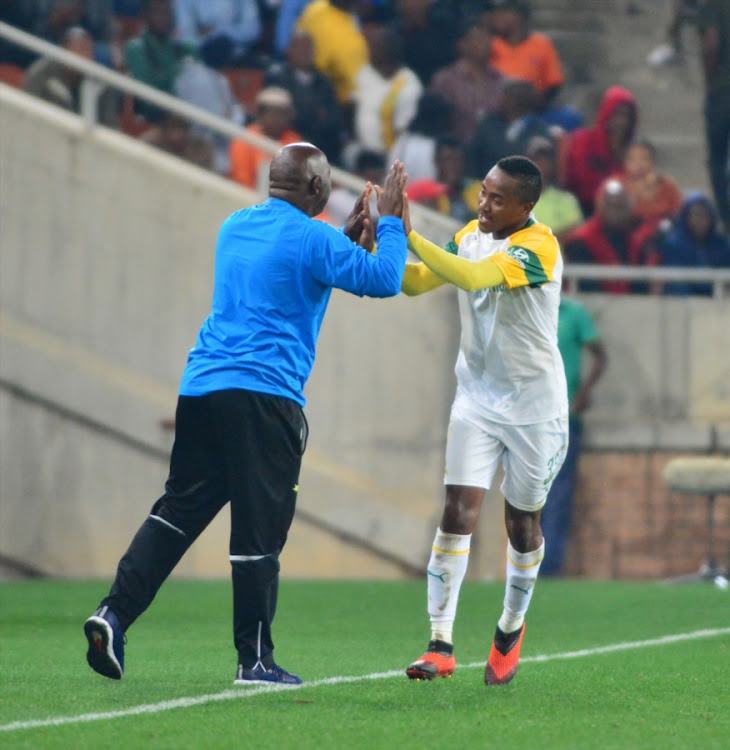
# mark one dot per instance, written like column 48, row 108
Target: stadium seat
column 707, row 476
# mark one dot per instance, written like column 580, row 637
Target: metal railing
column 719, row 278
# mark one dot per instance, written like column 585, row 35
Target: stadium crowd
column 447, row 87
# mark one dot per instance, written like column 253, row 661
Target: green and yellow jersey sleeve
column 530, row 258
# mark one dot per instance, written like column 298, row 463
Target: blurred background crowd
column 447, row 87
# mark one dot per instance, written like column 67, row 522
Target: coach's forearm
column 388, row 264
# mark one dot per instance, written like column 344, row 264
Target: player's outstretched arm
column 418, row 278
column 461, row 272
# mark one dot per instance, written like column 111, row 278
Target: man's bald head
column 300, row 174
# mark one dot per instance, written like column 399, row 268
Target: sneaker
column 261, row 675
column 504, row 657
column 106, row 643
column 438, row 661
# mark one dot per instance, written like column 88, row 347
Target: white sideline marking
column 245, row 692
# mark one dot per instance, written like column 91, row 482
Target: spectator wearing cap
column 470, row 84
column 274, row 117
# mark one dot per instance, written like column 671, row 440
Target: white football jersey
column 509, row 365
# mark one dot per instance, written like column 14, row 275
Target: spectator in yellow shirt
column 340, row 49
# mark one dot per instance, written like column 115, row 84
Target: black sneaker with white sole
column 261, row 675
column 106, row 643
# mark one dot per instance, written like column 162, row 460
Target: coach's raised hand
column 390, row 197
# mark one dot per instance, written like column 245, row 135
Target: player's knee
column 523, row 528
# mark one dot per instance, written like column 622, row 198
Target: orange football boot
column 504, row 657
column 438, row 661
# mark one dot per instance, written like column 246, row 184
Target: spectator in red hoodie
column 591, row 154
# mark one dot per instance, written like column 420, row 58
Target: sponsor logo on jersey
column 518, row 254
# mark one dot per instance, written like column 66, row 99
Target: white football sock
column 522, row 570
column 446, row 570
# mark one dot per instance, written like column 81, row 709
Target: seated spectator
column 557, row 208
column 340, row 49
column 56, row 83
column 318, row 115
column 654, row 196
column 370, row 165
column 386, row 93
column 450, row 192
column 518, row 52
column 694, row 240
column 507, row 130
column 174, row 135
column 461, row 199
column 416, row 146
column 428, row 30
column 591, row 154
column 155, row 57
column 613, row 237
column 469, row 84
column 274, row 117
column 229, row 27
column 202, row 85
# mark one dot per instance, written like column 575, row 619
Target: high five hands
column 391, row 201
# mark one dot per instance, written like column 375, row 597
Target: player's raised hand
column 406, row 214
column 390, row 198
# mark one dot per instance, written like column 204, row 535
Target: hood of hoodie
column 613, row 98
column 697, row 198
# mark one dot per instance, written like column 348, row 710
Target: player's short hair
column 527, row 175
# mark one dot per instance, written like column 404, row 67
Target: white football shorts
column 531, row 455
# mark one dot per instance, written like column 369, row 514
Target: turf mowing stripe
column 244, row 692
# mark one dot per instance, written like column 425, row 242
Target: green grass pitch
column 583, row 683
